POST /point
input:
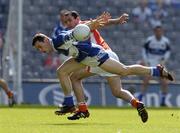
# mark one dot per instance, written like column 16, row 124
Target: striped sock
column 163, row 98
column 68, row 101
column 155, row 72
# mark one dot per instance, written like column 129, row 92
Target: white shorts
column 101, row 72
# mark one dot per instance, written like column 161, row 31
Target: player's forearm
column 144, row 55
column 166, row 56
column 105, row 20
column 120, row 20
column 93, row 25
column 113, row 21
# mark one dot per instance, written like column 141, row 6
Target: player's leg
column 76, row 79
column 4, row 86
column 115, row 67
column 164, row 91
column 117, row 90
column 63, row 73
column 10, row 94
column 144, row 87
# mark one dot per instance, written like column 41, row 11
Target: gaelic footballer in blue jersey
column 86, row 52
column 89, row 54
column 61, row 24
column 156, row 50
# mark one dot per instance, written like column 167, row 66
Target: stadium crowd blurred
column 42, row 16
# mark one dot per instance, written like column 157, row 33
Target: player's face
column 70, row 21
column 62, row 19
column 158, row 32
column 44, row 47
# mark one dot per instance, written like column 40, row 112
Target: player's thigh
column 70, row 66
column 114, row 83
column 100, row 71
column 113, row 66
column 112, row 54
column 81, row 74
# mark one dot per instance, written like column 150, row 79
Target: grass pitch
column 102, row 120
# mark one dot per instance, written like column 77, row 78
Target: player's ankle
column 9, row 94
column 134, row 102
column 82, row 107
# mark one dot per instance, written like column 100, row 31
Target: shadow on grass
column 76, row 124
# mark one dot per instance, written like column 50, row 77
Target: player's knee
column 125, row 71
column 116, row 93
column 75, row 78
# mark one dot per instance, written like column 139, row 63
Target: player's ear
column 46, row 40
column 78, row 18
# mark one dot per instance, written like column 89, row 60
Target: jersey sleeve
column 58, row 40
column 61, row 39
column 168, row 50
column 57, row 30
column 145, row 50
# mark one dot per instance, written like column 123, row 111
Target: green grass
column 34, row 119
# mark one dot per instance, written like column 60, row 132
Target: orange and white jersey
column 97, row 38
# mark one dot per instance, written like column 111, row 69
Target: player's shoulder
column 165, row 39
column 149, row 38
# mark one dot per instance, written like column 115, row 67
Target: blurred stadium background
column 32, row 75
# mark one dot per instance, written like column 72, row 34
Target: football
column 81, row 32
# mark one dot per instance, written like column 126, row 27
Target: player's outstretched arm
column 120, row 20
column 100, row 22
column 105, row 20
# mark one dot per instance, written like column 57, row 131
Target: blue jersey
column 57, row 30
column 64, row 43
column 59, row 40
column 155, row 51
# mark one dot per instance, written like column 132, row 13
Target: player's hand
column 100, row 21
column 123, row 18
column 105, row 16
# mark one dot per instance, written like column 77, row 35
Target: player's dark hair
column 38, row 38
column 75, row 14
column 157, row 27
column 63, row 11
